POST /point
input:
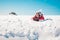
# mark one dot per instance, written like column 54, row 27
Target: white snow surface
column 22, row 27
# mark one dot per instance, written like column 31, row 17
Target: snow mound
column 22, row 27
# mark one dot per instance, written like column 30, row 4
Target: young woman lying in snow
column 38, row 16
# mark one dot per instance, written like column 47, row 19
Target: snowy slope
column 22, row 27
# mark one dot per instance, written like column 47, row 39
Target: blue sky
column 29, row 7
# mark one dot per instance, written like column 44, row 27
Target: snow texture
column 22, row 27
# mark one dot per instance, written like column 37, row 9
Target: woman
column 38, row 16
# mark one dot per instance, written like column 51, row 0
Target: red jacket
column 41, row 18
column 37, row 19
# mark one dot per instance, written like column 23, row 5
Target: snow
column 22, row 27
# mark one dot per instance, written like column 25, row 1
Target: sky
column 29, row 7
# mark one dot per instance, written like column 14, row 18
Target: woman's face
column 37, row 15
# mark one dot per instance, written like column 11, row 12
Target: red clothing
column 38, row 18
column 41, row 18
